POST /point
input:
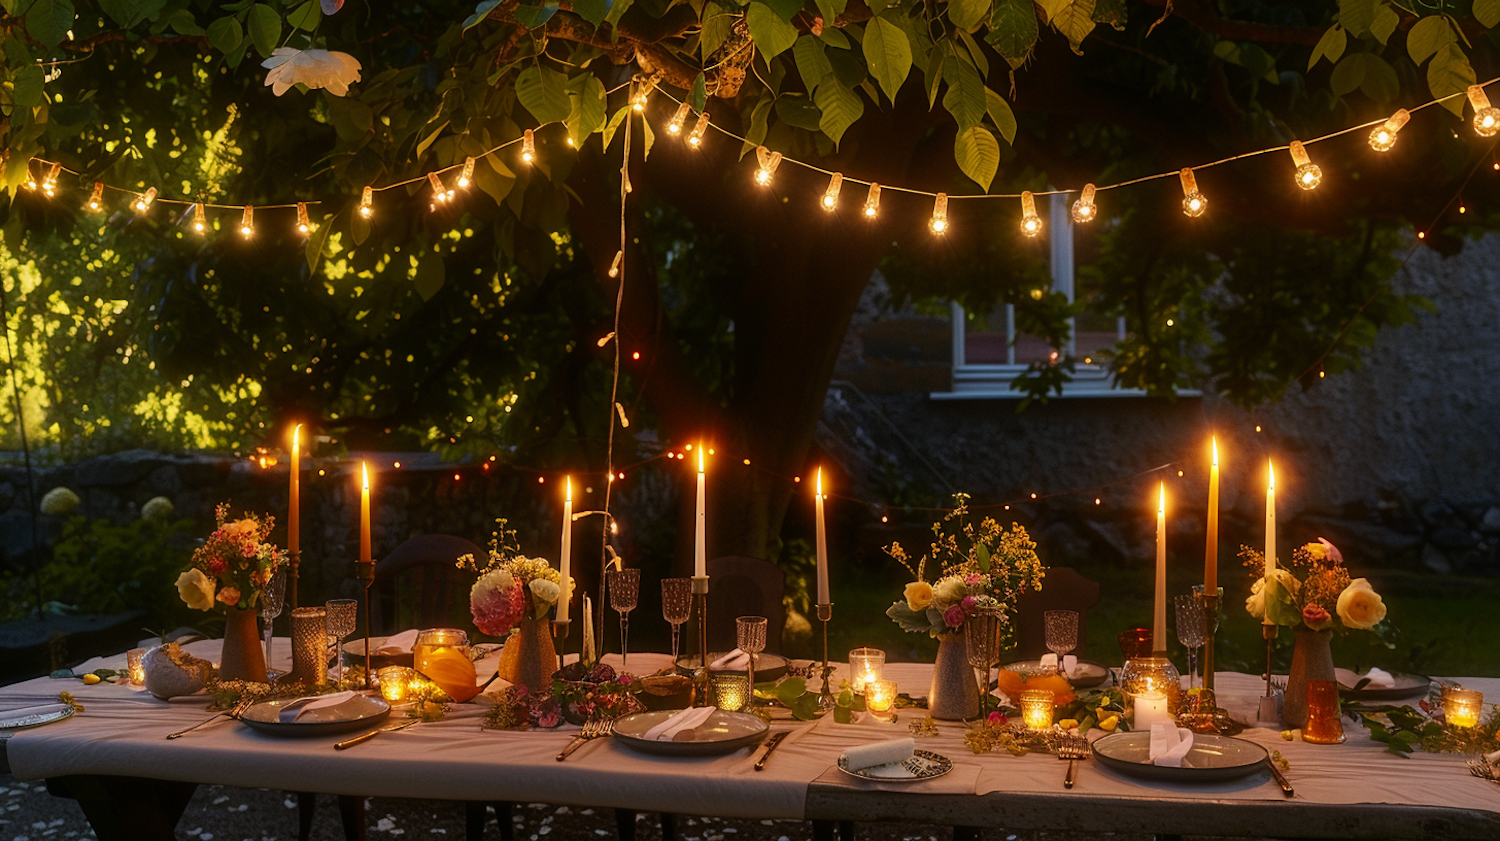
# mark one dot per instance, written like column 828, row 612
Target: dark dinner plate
column 1211, row 759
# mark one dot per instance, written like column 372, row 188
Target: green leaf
column 965, row 96
column 588, row 109
column 430, row 275
column 1380, row 83
column 805, row 707
column 716, row 25
column 481, row 12
column 183, row 22
column 785, row 9
column 1111, row 12
column 934, row 75
column 614, row 125
column 1356, row 16
column 617, row 11
column 128, row 13
column 1013, row 30
column 759, row 123
column 1075, row 21
column 593, row 11
column 28, row 86
column 968, row 14
column 911, row 621
column 532, row 17
column 1487, row 12
column 307, row 16
column 978, row 155
column 316, row 239
column 1386, row 21
column 648, row 139
column 543, row 92
column 1281, row 608
column 699, row 96
column 888, row 52
column 1348, row 75
column 1330, row 46
column 790, row 689
column 771, row 33
column 48, row 21
column 1450, row 73
column 842, row 714
column 1053, row 8
column 265, row 28
column 834, row 38
column 812, row 64
column 226, row 35
column 1427, row 36
column 351, row 118
column 840, row 107
column 982, row 553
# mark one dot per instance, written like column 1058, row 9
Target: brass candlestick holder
column 825, row 697
column 294, row 561
column 365, row 570
column 1270, row 705
column 702, row 684
column 1203, row 713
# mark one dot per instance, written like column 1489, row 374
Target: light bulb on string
column 247, row 221
column 768, row 162
column 467, row 176
column 679, row 119
column 200, row 217
column 939, row 223
column 642, row 92
column 367, row 203
column 1193, row 202
column 1309, row 174
column 30, row 179
column 1486, row 116
column 1084, row 210
column 144, row 200
column 49, row 183
column 440, row 193
column 1383, row 137
column 614, row 271
column 700, row 128
column 872, row 201
column 528, row 146
column 830, row 198
column 1031, row 224
column 96, row 198
column 302, row 224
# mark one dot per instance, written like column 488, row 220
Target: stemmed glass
column 271, row 602
column 750, row 635
column 1061, row 627
column 982, row 639
column 1190, row 630
column 676, row 606
column 624, row 594
column 342, row 614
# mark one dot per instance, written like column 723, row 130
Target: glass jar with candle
column 435, row 644
column 731, row 690
column 1323, row 726
column 1152, row 674
column 865, row 665
column 134, row 667
column 880, row 698
column 1462, row 706
column 1036, row 709
column 395, row 683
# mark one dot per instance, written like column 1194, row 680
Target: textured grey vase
column 954, row 695
column 1312, row 659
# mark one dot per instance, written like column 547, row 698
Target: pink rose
column 1317, row 617
column 972, row 580
column 1333, row 552
column 998, row 719
column 968, row 603
column 953, row 617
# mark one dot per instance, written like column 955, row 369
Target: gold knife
column 365, row 737
column 771, row 744
column 1281, row 780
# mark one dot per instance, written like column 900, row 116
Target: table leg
column 125, row 808
column 625, row 824
column 968, row 833
column 823, row 830
column 352, row 815
column 307, row 808
column 505, row 816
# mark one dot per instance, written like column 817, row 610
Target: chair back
column 1063, row 588
column 418, row 585
column 741, row 586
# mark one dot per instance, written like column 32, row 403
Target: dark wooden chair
column 1063, row 588
column 741, row 586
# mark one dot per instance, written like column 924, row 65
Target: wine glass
column 676, row 606
column 1061, row 628
column 750, row 635
column 272, row 600
column 342, row 614
column 1190, row 627
column 624, row 594
column 982, row 639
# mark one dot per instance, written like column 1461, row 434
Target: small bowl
column 666, row 692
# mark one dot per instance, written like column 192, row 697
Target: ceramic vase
column 954, row 694
column 529, row 657
column 242, row 657
column 1312, row 659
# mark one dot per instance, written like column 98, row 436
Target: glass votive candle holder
column 437, row 643
column 133, row 666
column 1146, row 675
column 731, row 691
column 865, row 665
column 1036, row 709
column 395, row 683
column 880, row 698
column 1323, row 726
column 1462, row 706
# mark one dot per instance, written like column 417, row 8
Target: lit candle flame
column 1272, row 468
column 568, row 488
column 1215, row 440
column 296, row 436
column 364, row 470
column 700, row 458
column 1161, row 502
column 819, row 489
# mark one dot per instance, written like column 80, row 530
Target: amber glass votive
column 731, row 691
column 1323, row 726
column 395, row 683
column 1135, row 643
column 436, row 643
column 1036, row 708
column 1462, row 706
column 133, row 666
column 865, row 665
column 880, row 697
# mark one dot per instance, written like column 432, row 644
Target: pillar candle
column 822, row 542
column 1150, row 708
column 364, row 515
column 1211, row 551
column 294, row 502
column 1270, row 535
column 565, row 565
column 1159, row 628
column 700, row 537
column 588, row 630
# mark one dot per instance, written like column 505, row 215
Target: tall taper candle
column 1211, row 551
column 1159, row 627
column 294, row 502
column 1270, row 536
column 566, row 564
column 822, row 541
column 700, row 537
column 364, row 515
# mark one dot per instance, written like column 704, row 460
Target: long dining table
column 132, row 782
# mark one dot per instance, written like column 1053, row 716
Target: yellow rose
column 918, row 595
column 1359, row 606
column 949, row 591
column 195, row 589
column 1315, row 551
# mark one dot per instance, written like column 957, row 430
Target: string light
column 1031, row 224
column 939, row 223
column 200, row 217
column 768, row 162
column 440, row 194
column 367, row 203
column 1193, row 202
column 144, row 200
column 302, row 224
column 30, row 180
column 467, row 176
column 872, row 201
column 247, row 221
column 49, row 183
column 1084, row 210
column 1309, row 174
column 624, row 422
column 96, row 198
column 831, row 195
column 700, row 128
column 642, row 91
column 1486, row 116
column 1384, row 135
column 614, row 271
column 674, row 126
column 528, row 146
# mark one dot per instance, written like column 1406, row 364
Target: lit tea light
column 1462, row 706
column 880, row 697
column 395, row 683
column 1150, row 708
column 1036, row 709
column 134, row 666
column 731, row 691
column 865, row 665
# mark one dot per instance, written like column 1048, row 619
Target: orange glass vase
column 1323, row 726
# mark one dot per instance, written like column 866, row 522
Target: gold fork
column 594, row 728
column 1072, row 749
column 233, row 712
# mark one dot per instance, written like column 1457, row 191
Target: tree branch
column 1201, row 16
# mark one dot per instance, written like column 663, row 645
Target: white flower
column 1360, row 606
column 1256, row 604
column 546, row 591
column 196, row 589
column 315, row 68
column 949, row 591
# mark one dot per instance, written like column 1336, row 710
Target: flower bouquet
column 231, row 569
column 514, row 597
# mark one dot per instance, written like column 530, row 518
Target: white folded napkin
column 1493, row 758
column 294, row 710
column 1070, row 664
column 1169, row 744
column 687, row 719
column 1380, row 679
column 880, row 753
column 1049, row 662
column 399, row 644
column 8, row 717
column 732, row 661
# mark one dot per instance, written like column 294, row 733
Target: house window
column 989, row 353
